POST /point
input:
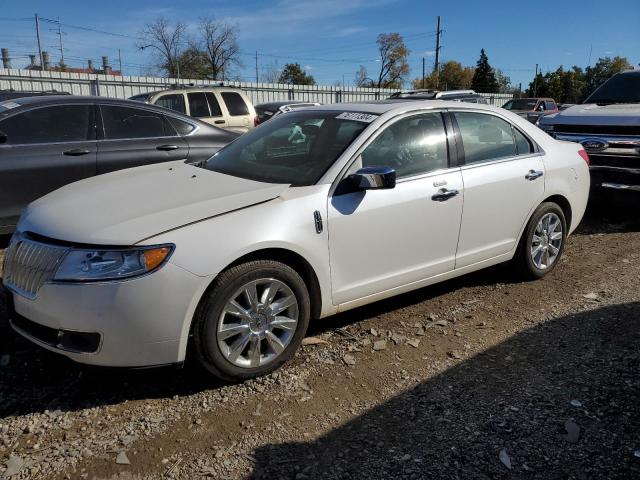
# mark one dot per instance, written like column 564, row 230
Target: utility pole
column 535, row 83
column 61, row 47
column 39, row 44
column 437, row 66
column 256, row 66
column 423, row 72
column 120, row 61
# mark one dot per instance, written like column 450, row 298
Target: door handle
column 218, row 122
column 76, row 152
column 533, row 174
column 166, row 148
column 443, row 195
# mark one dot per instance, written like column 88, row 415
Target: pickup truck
column 607, row 125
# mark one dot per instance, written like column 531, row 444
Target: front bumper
column 139, row 322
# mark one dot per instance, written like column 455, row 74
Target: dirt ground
column 483, row 377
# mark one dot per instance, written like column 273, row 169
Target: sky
column 332, row 38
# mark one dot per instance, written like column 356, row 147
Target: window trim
column 93, row 116
column 101, row 127
column 537, row 151
column 219, row 102
column 379, row 130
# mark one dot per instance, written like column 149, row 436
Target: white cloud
column 308, row 67
column 348, row 31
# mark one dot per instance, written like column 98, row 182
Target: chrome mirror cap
column 373, row 178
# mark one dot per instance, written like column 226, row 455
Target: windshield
column 621, row 88
column 520, row 104
column 296, row 148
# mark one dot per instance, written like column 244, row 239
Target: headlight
column 80, row 265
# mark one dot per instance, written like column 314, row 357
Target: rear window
column 182, row 127
column 235, row 104
column 125, row 122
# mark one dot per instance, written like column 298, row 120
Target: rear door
column 46, row 148
column 206, row 107
column 130, row 137
column 503, row 179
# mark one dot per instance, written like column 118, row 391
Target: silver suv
column 225, row 107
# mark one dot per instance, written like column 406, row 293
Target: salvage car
column 316, row 212
column 267, row 111
column 48, row 142
column 607, row 125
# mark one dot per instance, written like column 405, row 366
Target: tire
column 220, row 337
column 533, row 268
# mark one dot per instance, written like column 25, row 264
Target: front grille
column 598, row 129
column 28, row 265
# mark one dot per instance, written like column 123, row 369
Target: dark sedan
column 47, row 142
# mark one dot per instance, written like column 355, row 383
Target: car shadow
column 577, row 374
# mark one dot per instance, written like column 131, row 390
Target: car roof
column 78, row 99
column 400, row 105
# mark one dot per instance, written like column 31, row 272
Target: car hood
column 125, row 207
column 590, row 113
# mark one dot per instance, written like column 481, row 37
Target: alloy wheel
column 257, row 323
column 546, row 241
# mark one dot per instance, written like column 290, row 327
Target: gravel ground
column 480, row 377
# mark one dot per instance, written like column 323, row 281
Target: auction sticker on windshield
column 357, row 116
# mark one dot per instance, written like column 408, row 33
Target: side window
column 411, row 146
column 214, row 106
column 485, row 137
column 63, row 123
column 235, row 104
column 198, row 106
column 549, row 105
column 182, row 127
column 523, row 145
column 172, row 102
column 125, row 122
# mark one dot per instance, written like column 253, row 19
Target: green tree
column 294, row 74
column 195, row 64
column 453, row 76
column 504, row 82
column 484, row 78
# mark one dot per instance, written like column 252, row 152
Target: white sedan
column 315, row 212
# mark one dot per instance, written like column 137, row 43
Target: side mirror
column 3, row 137
column 374, row 178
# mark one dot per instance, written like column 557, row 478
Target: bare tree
column 220, row 44
column 362, row 78
column 167, row 40
column 393, row 60
column 271, row 73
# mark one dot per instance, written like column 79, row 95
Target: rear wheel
column 542, row 242
column 252, row 321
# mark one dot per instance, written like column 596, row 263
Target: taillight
column 585, row 156
column 256, row 121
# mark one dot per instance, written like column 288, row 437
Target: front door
column 383, row 239
column 45, row 149
column 503, row 182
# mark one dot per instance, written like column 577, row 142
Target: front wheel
column 252, row 321
column 542, row 242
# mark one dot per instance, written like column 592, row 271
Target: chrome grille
column 28, row 265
